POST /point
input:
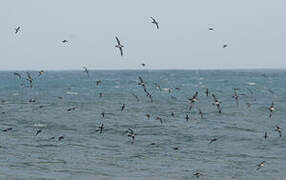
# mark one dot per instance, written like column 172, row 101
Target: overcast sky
column 255, row 31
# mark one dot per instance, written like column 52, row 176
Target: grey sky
column 255, row 31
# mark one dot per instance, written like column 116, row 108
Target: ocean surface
column 67, row 104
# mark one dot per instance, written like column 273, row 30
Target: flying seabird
column 122, row 107
column 260, row 165
column 148, row 116
column 225, row 46
column 131, row 134
column 143, row 64
column 157, row 86
column 141, row 83
column 61, row 138
column 160, row 119
column 102, row 114
column 64, row 41
column 173, row 114
column 17, row 29
column 137, row 98
column 194, row 98
column 71, row 109
column 100, row 128
column 271, row 109
column 201, row 113
column 235, row 96
column 279, row 130
column 187, row 117
column 98, row 82
column 265, row 135
column 207, row 92
column 30, row 79
column 18, row 75
column 41, row 72
column 217, row 103
column 155, row 22
column 119, row 46
column 197, row 174
column 211, row 29
column 86, row 71
column 38, row 132
column 213, row 140
column 7, row 129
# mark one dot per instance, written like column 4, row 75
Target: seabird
column 279, row 130
column 235, row 96
column 100, row 128
column 61, row 138
column 155, row 22
column 157, row 86
column 213, row 140
column 160, row 119
column 17, row 29
column 119, row 45
column 148, row 116
column 265, row 135
column 102, row 114
column 173, row 114
column 260, row 165
column 141, row 83
column 194, row 98
column 98, row 82
column 131, row 134
column 101, row 94
column 207, row 92
column 38, row 132
column 201, row 113
column 122, row 107
column 187, row 117
column 176, row 148
column 143, row 65
column 271, row 109
column 197, row 174
column 64, row 41
column 41, row 72
column 217, row 103
column 18, row 75
column 225, row 46
column 7, row 129
column 71, row 109
column 30, row 79
column 86, row 71
column 211, row 29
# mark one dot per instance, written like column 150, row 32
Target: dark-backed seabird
column 187, row 117
column 197, row 174
column 201, row 113
column 260, row 165
column 98, row 82
column 194, row 98
column 61, row 138
column 102, row 114
column 7, row 129
column 30, row 79
column 235, row 96
column 86, row 71
column 136, row 97
column 207, row 92
column 131, row 134
column 71, row 109
column 211, row 29
column 143, row 64
column 64, row 41
column 41, row 72
column 225, row 46
column 122, row 107
column 155, row 22
column 217, row 103
column 148, row 116
column 212, row 140
column 119, row 46
column 271, row 109
column 172, row 114
column 160, row 119
column 18, row 75
column 265, row 135
column 279, row 130
column 100, row 128
column 38, row 132
column 17, row 29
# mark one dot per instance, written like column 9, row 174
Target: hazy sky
column 255, row 31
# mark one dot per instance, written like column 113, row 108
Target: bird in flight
column 17, row 29
column 86, row 71
column 225, row 46
column 30, row 79
column 64, row 41
column 119, row 45
column 211, row 29
column 41, row 72
column 155, row 22
column 260, row 165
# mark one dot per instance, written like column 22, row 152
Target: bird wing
column 121, row 51
column 152, row 18
column 157, row 25
column 118, row 42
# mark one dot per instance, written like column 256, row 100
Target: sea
column 52, row 129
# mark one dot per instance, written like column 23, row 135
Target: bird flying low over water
column 38, row 132
column 17, row 29
column 64, row 41
column 86, row 71
column 131, row 134
column 217, row 103
column 155, row 22
column 18, row 75
column 30, row 79
column 213, row 140
column 41, row 72
column 235, row 96
column 224, row 46
column 122, row 107
column 194, row 98
column 211, row 29
column 119, row 46
column 260, row 165
column 100, row 128
column 271, row 109
column 278, row 129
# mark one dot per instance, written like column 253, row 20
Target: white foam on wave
column 251, row 83
column 71, row 93
column 40, row 125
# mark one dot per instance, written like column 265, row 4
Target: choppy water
column 84, row 153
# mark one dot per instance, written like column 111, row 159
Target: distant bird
column 160, row 119
column 148, row 116
column 86, row 71
column 211, row 29
column 7, row 129
column 207, row 92
column 71, row 109
column 98, row 82
column 213, row 140
column 41, row 72
column 265, row 135
column 101, row 94
column 155, row 22
column 18, row 75
column 61, row 138
column 197, row 174
column 187, row 117
column 122, row 107
column 131, row 134
column 201, row 113
column 32, row 100
column 194, row 98
column 100, row 128
column 141, row 81
column 143, row 65
column 38, row 132
column 271, row 109
column 102, row 114
column 173, row 114
column 235, row 96
column 119, row 45
column 17, row 29
column 176, row 148
column 64, row 41
column 217, row 103
column 260, row 165
column 30, row 79
column 157, row 86
column 137, row 98
column 225, row 46
column 279, row 130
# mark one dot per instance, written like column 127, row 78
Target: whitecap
column 251, row 83
column 71, row 93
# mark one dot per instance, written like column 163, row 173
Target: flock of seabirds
column 130, row 132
